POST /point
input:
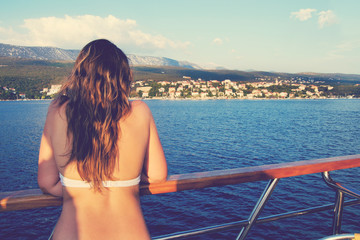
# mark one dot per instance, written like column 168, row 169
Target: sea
column 206, row 135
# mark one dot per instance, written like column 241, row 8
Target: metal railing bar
column 346, row 236
column 322, row 208
column 242, row 223
column 338, row 211
column 338, row 186
column 339, row 199
column 258, row 208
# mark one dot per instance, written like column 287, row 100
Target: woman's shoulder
column 139, row 106
column 55, row 118
column 140, row 112
column 56, row 115
column 56, row 109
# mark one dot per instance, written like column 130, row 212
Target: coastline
column 222, row 98
column 195, row 99
column 24, row 100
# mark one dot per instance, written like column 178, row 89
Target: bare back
column 113, row 213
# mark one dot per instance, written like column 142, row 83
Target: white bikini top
column 67, row 182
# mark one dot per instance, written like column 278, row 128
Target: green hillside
column 176, row 73
column 31, row 76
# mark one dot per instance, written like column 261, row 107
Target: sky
column 290, row 36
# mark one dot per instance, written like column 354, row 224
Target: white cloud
column 349, row 45
column 218, row 41
column 74, row 32
column 8, row 34
column 344, row 49
column 303, row 14
column 211, row 65
column 326, row 18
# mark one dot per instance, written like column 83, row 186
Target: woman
column 95, row 146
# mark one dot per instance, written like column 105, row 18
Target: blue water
column 203, row 136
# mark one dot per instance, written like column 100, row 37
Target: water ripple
column 203, row 136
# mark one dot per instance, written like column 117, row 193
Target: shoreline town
column 199, row 89
column 227, row 89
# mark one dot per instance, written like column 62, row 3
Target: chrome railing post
column 338, row 210
column 258, row 208
column 339, row 201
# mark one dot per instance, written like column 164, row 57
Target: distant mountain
column 38, row 53
column 58, row 54
column 159, row 61
column 148, row 67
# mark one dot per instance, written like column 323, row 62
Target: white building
column 195, row 94
column 203, row 94
column 54, row 89
column 240, row 94
column 172, row 89
column 143, row 89
column 283, row 94
column 228, row 92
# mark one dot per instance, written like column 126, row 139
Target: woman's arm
column 155, row 166
column 48, row 173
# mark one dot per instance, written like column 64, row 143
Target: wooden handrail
column 34, row 198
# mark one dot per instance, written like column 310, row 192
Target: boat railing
column 34, row 198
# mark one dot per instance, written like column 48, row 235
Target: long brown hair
column 96, row 94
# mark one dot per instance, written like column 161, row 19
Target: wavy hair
column 96, row 94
